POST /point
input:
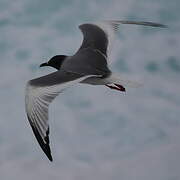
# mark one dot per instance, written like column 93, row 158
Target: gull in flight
column 88, row 65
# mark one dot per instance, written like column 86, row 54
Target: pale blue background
column 96, row 133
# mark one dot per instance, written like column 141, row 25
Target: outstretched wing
column 40, row 93
column 101, row 35
column 94, row 37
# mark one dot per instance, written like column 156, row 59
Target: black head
column 55, row 62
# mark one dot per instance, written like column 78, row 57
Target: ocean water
column 96, row 133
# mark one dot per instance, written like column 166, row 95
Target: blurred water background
column 96, row 133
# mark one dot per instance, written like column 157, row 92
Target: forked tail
column 118, row 82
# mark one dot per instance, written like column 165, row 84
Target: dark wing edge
column 44, row 145
column 37, row 100
column 115, row 23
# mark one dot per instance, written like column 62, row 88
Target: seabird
column 88, row 65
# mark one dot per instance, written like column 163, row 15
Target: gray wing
column 40, row 93
column 101, row 35
column 94, row 37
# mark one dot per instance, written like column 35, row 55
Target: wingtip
column 49, row 156
column 164, row 26
column 159, row 25
column 144, row 23
column 46, row 149
column 44, row 146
